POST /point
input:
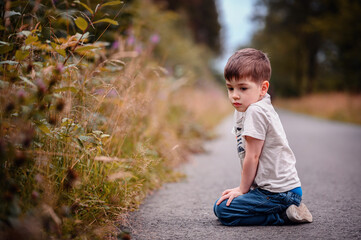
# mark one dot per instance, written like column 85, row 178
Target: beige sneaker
column 299, row 214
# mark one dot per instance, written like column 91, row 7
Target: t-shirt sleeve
column 255, row 123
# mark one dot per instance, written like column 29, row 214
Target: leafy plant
column 90, row 121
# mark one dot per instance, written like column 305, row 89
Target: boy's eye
column 243, row 89
column 230, row 89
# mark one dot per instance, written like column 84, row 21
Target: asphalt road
column 329, row 166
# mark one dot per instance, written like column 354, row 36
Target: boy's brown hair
column 248, row 63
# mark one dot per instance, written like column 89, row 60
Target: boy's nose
column 235, row 95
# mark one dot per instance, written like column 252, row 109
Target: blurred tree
column 202, row 17
column 313, row 44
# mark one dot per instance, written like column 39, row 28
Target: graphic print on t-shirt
column 240, row 145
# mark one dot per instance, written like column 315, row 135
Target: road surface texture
column 329, row 166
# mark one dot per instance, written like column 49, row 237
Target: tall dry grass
column 344, row 107
column 86, row 133
column 122, row 126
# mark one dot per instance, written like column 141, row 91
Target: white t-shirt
column 276, row 168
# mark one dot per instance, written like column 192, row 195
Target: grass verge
column 343, row 107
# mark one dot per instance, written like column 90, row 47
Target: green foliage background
column 314, row 45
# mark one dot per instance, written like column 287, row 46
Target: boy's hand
column 230, row 194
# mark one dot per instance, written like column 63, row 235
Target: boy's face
column 244, row 92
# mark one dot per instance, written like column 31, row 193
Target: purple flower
column 139, row 48
column 112, row 93
column 154, row 38
column 21, row 94
column 41, row 86
column 130, row 40
column 60, row 67
column 99, row 91
column 115, row 45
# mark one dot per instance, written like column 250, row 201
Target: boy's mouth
column 237, row 104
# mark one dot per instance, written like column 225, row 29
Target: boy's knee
column 219, row 210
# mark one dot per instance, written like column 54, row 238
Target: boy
column 270, row 191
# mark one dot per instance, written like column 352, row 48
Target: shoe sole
column 299, row 214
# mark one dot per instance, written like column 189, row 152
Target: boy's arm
column 250, row 164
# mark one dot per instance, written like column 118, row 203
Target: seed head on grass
column 21, row 94
column 41, row 88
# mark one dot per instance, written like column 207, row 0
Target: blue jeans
column 257, row 207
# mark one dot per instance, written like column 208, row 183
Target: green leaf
column 61, row 51
column 112, row 3
column 43, row 128
column 21, row 55
column 81, row 23
column 85, row 6
column 6, row 48
column 108, row 20
column 30, row 39
column 58, row 49
column 85, row 48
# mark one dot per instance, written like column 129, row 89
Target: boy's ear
column 264, row 87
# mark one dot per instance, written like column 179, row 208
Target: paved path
column 329, row 166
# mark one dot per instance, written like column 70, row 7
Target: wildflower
column 154, row 38
column 99, row 91
column 138, row 48
column 112, row 93
column 115, row 45
column 59, row 68
column 35, row 195
column 26, row 136
column 21, row 96
column 130, row 40
column 41, row 87
column 38, row 178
